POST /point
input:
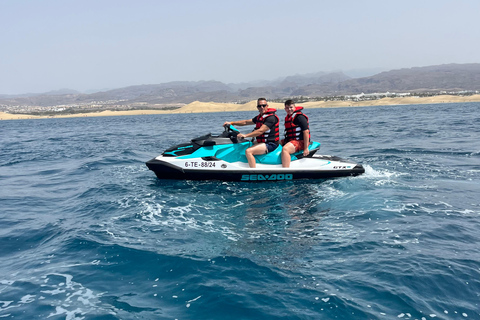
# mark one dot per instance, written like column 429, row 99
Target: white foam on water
column 403, row 241
column 69, row 298
column 69, row 315
column 126, row 172
column 167, row 214
column 444, row 203
column 53, row 292
column 27, row 298
column 395, row 207
column 468, row 212
column 327, row 191
column 372, row 173
column 432, row 208
column 188, row 303
column 380, row 177
column 332, row 193
column 185, row 217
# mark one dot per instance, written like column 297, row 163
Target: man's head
column 262, row 105
column 289, row 106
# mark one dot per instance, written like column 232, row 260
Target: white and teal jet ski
column 222, row 157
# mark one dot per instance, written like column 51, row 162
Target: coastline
column 205, row 107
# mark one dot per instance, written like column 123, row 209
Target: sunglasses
column 262, row 105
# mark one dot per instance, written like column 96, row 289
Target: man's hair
column 289, row 102
column 260, row 99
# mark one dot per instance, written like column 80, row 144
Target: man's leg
column 287, row 150
column 259, row 148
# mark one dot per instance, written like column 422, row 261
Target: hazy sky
column 94, row 44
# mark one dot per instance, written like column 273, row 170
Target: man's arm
column 269, row 123
column 302, row 121
column 240, row 123
column 254, row 133
column 306, row 142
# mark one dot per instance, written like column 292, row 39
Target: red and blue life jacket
column 292, row 131
column 271, row 135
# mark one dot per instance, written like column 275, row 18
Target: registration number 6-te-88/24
column 202, row 164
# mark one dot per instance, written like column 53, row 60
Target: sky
column 93, row 45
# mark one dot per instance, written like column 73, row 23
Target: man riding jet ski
column 266, row 132
column 222, row 157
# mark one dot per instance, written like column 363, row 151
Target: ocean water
column 88, row 232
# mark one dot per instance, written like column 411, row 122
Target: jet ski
column 222, row 157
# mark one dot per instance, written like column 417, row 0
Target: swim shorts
column 298, row 144
column 271, row 146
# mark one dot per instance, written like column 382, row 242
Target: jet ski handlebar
column 230, row 128
column 232, row 133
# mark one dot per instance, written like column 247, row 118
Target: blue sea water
column 88, row 232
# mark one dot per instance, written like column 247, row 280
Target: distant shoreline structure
column 206, row 107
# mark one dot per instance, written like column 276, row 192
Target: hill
column 450, row 77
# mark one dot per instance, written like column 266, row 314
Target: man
column 297, row 133
column 266, row 131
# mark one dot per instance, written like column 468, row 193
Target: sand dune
column 199, row 107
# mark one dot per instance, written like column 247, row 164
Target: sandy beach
column 200, row 107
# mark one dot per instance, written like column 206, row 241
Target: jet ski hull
column 318, row 167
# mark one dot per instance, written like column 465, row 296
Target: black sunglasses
column 262, row 105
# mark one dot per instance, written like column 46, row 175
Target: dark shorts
column 271, row 146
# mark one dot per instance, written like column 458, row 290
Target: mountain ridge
column 447, row 77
